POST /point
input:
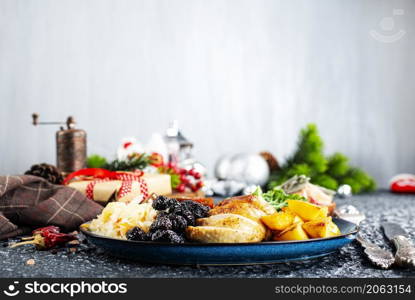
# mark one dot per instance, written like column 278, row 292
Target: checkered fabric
column 28, row 201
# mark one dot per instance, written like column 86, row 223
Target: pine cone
column 271, row 160
column 46, row 171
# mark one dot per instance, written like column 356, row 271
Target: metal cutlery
column 377, row 256
column 405, row 250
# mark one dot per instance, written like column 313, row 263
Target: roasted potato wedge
column 278, row 221
column 293, row 233
column 321, row 228
column 298, row 220
column 306, row 210
column 332, row 229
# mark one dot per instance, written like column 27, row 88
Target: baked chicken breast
column 234, row 220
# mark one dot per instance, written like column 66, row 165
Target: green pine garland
column 135, row 162
column 329, row 172
column 96, row 161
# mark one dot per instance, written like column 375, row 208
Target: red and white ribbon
column 103, row 175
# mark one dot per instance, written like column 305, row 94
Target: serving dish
column 225, row 253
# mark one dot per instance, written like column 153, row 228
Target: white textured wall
column 239, row 75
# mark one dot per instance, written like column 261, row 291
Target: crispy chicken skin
column 234, row 220
column 251, row 200
column 249, row 206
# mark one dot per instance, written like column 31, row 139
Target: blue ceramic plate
column 226, row 254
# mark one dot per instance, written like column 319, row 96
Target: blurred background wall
column 239, row 75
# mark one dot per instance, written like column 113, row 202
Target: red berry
column 183, row 171
column 180, row 188
column 191, row 172
column 194, row 188
column 189, row 184
column 197, row 175
column 199, row 184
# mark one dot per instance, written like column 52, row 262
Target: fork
column 377, row 256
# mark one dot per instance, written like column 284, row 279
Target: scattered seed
column 30, row 262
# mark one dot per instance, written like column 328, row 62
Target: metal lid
column 173, row 132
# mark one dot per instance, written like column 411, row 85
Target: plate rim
column 187, row 244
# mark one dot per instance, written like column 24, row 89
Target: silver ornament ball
column 251, row 169
column 222, row 167
column 344, row 191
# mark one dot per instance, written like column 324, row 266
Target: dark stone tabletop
column 347, row 262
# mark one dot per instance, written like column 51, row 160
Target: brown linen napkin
column 29, row 201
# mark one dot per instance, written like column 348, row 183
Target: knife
column 405, row 250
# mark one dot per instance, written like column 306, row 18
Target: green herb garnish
column 277, row 197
